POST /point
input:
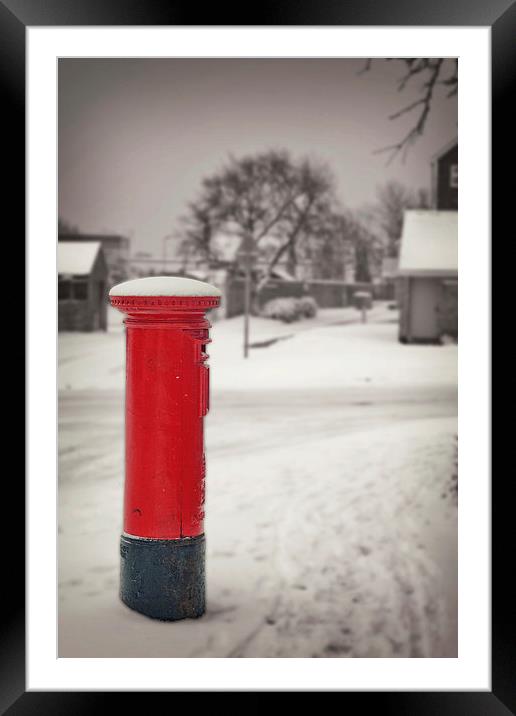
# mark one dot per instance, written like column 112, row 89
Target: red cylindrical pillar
column 167, row 397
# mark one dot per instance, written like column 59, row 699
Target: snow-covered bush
column 308, row 306
column 289, row 309
column 285, row 309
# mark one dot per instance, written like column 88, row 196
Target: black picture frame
column 500, row 15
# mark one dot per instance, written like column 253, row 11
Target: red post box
column 167, row 397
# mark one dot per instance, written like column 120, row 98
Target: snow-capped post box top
column 164, row 286
column 159, row 294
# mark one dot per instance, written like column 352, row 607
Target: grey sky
column 137, row 136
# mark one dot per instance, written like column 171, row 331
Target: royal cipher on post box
column 167, row 396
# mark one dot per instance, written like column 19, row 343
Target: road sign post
column 247, row 255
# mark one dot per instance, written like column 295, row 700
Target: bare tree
column 329, row 247
column 435, row 72
column 196, row 232
column 393, row 198
column 312, row 204
column 365, row 244
column 267, row 201
column 343, row 239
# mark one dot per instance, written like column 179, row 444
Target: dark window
column 80, row 290
column 63, row 290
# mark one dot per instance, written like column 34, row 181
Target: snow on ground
column 306, row 354
column 331, row 529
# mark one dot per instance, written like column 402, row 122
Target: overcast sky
column 137, row 136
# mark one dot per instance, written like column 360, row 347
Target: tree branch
column 283, row 248
column 434, row 67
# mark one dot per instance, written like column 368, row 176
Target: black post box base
column 163, row 578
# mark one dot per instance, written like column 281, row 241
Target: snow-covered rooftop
column 164, row 286
column 76, row 257
column 429, row 243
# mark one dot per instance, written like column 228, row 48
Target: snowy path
column 327, row 532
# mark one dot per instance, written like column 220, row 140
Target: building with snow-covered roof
column 115, row 248
column 82, row 286
column 428, row 271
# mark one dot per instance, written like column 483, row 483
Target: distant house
column 82, row 286
column 428, row 276
column 445, row 178
column 116, row 251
